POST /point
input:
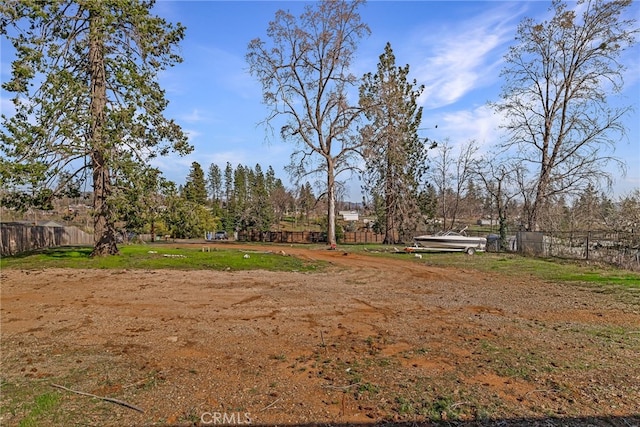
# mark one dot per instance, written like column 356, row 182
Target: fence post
column 588, row 238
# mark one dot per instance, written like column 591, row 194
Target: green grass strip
column 164, row 256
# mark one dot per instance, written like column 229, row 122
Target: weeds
column 279, row 357
column 41, row 406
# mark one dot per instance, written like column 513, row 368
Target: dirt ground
column 369, row 340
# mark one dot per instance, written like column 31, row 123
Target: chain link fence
column 612, row 247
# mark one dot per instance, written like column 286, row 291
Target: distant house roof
column 349, row 215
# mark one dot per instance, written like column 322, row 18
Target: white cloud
column 192, row 117
column 459, row 127
column 455, row 60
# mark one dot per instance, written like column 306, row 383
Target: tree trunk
column 540, row 199
column 331, row 209
column 502, row 221
column 103, row 227
column 389, row 208
column 502, row 218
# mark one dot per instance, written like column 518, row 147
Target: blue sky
column 454, row 48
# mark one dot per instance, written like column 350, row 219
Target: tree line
column 560, row 128
column 232, row 199
column 89, row 108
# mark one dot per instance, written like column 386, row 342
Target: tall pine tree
column 195, row 189
column 215, row 185
column 395, row 155
column 87, row 99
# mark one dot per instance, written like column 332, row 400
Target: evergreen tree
column 394, row 153
column 261, row 209
column 306, row 199
column 215, row 185
column 140, row 206
column 587, row 210
column 185, row 218
column 271, row 180
column 628, row 213
column 428, row 204
column 195, row 189
column 472, row 200
column 228, row 219
column 87, row 99
column 240, row 197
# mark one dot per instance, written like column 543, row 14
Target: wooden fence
column 17, row 237
column 282, row 236
column 307, row 237
column 362, row 237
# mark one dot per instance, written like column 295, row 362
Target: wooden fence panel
column 362, row 237
column 16, row 238
column 282, row 236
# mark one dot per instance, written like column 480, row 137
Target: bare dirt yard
column 391, row 341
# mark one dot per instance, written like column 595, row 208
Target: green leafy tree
column 395, row 155
column 139, row 201
column 472, row 200
column 87, row 98
column 195, row 189
column 186, row 219
column 588, row 210
column 558, row 79
column 305, row 78
column 628, row 213
column 427, row 203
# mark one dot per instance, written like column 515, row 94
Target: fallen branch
column 271, row 404
column 107, row 399
column 455, row 405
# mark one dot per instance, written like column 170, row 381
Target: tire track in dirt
column 207, row 340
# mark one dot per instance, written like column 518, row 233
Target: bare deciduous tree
column 497, row 177
column 450, row 174
column 554, row 98
column 304, row 72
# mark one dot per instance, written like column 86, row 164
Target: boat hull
column 448, row 243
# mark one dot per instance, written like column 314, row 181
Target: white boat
column 448, row 241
